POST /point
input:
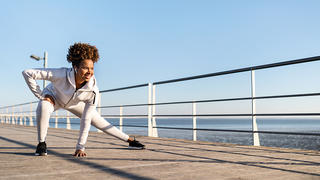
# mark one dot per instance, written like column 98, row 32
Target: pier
column 109, row 158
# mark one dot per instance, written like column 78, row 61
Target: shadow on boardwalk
column 163, row 159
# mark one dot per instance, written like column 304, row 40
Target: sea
column 301, row 125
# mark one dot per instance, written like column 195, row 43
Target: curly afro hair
column 81, row 51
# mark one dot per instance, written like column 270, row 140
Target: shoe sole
column 40, row 154
column 137, row 148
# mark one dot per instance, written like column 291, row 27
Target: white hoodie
column 63, row 89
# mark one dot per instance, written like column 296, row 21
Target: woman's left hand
column 79, row 153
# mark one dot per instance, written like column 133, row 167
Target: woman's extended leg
column 100, row 123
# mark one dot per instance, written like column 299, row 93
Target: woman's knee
column 98, row 121
column 44, row 106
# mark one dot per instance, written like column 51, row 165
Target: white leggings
column 45, row 108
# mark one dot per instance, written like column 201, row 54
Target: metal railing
column 11, row 117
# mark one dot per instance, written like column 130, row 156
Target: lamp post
column 45, row 59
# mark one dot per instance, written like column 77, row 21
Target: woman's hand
column 79, row 153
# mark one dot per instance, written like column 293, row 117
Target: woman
column 74, row 89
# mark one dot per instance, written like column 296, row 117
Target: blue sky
column 146, row 41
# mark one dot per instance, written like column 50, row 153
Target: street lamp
column 45, row 59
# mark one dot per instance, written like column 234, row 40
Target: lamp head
column 35, row 57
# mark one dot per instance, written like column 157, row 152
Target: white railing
column 10, row 114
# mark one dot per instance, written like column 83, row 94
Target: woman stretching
column 73, row 89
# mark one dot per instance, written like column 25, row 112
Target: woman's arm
column 31, row 75
column 85, row 124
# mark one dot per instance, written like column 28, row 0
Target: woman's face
column 85, row 70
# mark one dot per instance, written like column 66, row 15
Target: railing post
column 13, row 119
column 121, row 118
column 68, row 121
column 30, row 118
column 2, row 116
column 7, row 116
column 56, row 120
column 20, row 120
column 154, row 121
column 256, row 140
column 194, row 120
column 150, row 109
column 24, row 119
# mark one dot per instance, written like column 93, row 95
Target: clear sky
column 143, row 41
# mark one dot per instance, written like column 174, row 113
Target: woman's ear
column 75, row 69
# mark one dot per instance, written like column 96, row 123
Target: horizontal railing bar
column 242, row 131
column 284, row 63
column 217, row 100
column 62, row 123
column 289, row 114
column 129, row 115
column 72, row 117
column 289, row 133
column 52, row 122
column 123, row 88
column 190, row 115
column 113, row 124
column 200, row 129
column 205, row 101
column 127, row 105
column 18, row 112
column 28, row 103
column 206, row 129
column 132, row 126
column 212, row 115
column 287, row 96
column 134, row 117
column 198, row 115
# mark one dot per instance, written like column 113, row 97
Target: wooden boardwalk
column 109, row 158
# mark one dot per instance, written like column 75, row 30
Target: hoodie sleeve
column 31, row 75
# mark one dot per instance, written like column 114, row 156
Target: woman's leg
column 44, row 109
column 100, row 123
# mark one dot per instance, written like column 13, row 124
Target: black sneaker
column 41, row 149
column 136, row 145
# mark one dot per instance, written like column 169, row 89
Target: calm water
column 308, row 125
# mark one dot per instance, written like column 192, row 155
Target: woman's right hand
column 79, row 153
